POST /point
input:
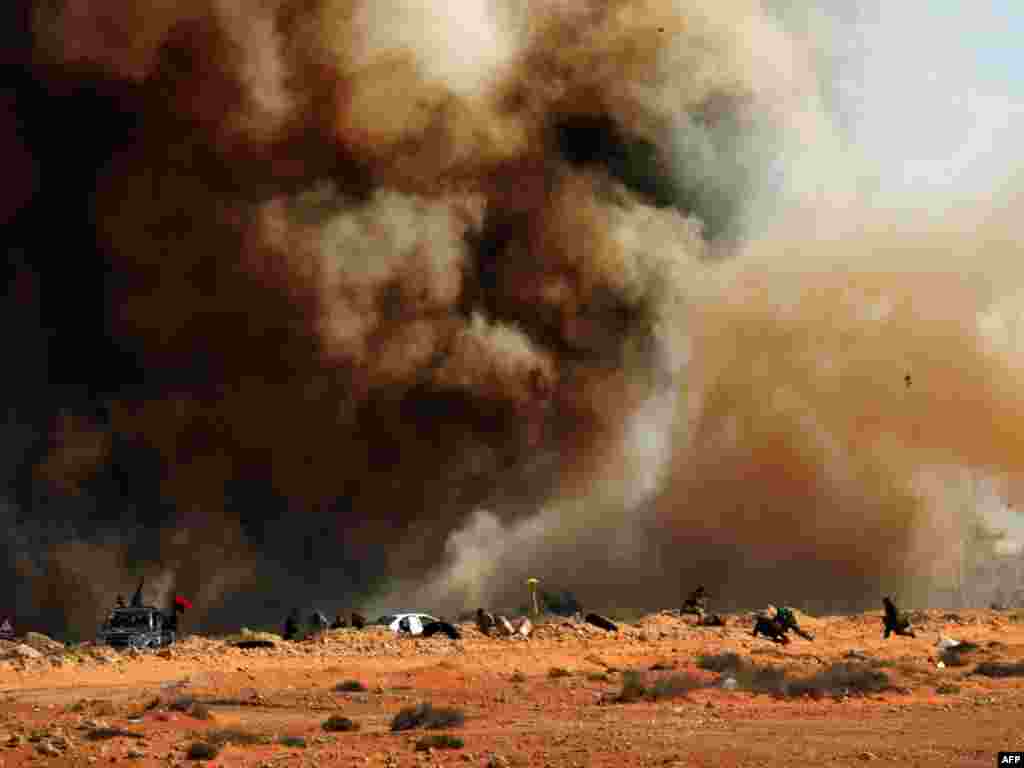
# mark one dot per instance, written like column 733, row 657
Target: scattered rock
column 22, row 651
column 42, row 643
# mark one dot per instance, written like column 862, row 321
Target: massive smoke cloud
column 384, row 304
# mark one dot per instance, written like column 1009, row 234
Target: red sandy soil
column 516, row 713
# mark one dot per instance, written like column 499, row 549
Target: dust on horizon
column 554, row 280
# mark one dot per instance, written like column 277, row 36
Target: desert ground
column 554, row 699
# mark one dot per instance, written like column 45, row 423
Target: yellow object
column 532, row 583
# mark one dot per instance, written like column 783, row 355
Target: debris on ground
column 601, row 622
column 441, row 627
column 42, row 643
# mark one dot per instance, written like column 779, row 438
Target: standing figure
column 895, row 622
column 697, row 603
column 484, row 622
column 291, row 625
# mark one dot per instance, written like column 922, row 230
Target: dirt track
column 530, row 718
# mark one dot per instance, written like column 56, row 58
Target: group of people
column 319, row 623
column 776, row 626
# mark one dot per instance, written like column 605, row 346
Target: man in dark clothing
column 776, row 627
column 339, row 622
column 358, row 620
column 895, row 622
column 697, row 603
column 484, row 622
column 137, row 597
column 291, row 625
column 318, row 622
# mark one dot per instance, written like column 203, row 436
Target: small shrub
column 842, row 679
column 952, row 658
column 182, row 704
column 946, row 689
column 339, row 724
column 662, row 666
column 556, row 672
column 632, row 687
column 720, row 662
column 101, row 734
column 439, row 741
column 518, row 677
column 201, row 750
column 238, row 737
column 1000, row 669
column 293, row 741
column 674, row 687
column 426, row 716
column 836, row 680
column 350, row 686
column 200, row 711
column 598, row 677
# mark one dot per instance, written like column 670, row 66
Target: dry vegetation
column 571, row 693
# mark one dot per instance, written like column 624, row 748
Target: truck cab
column 135, row 627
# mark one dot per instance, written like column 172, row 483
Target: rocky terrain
column 659, row 692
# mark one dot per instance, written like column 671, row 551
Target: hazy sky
column 937, row 91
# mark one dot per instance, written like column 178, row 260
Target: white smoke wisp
column 568, row 542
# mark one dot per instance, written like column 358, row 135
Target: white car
column 405, row 623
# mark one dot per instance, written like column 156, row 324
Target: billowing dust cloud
column 491, row 293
